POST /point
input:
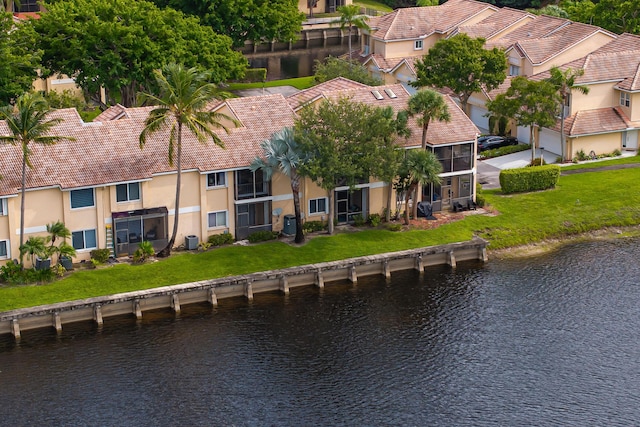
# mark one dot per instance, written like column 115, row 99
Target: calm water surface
column 551, row 340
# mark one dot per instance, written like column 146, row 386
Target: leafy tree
column 550, row 10
column 427, row 3
column 343, row 142
column 27, row 122
column 428, row 105
column 529, row 103
column 257, row 20
column 281, row 153
column 565, row 83
column 463, row 65
column 420, row 167
column 349, row 18
column 182, row 100
column 333, row 67
column 19, row 58
column 619, row 16
column 117, row 44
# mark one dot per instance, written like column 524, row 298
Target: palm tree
column 27, row 122
column 565, row 82
column 428, row 105
column 282, row 153
column 184, row 95
column 57, row 230
column 349, row 18
column 420, row 167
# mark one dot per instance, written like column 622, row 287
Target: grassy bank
column 581, row 203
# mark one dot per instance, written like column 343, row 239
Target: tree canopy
column 463, row 65
column 618, row 16
column 529, row 103
column 344, row 142
column 19, row 58
column 257, row 20
column 117, row 44
column 332, row 67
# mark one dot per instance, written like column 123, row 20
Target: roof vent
column 377, row 95
column 390, row 93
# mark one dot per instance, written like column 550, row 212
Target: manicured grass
column 580, row 203
column 374, row 5
column 602, row 163
column 299, row 83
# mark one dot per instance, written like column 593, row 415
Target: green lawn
column 602, row 163
column 580, row 203
column 299, row 83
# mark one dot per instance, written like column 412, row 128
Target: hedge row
column 529, row 179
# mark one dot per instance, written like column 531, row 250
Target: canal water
column 552, row 340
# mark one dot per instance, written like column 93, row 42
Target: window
column 317, row 206
column 128, row 192
column 417, row 45
column 82, row 198
column 4, row 249
column 85, row 239
column 3, row 207
column 514, row 70
column 216, row 179
column 625, row 99
column 217, row 219
column 250, row 185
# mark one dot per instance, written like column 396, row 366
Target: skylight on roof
column 390, row 93
column 377, row 95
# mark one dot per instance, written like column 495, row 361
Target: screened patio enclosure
column 132, row 227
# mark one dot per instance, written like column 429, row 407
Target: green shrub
column 262, row 236
column 529, row 179
column 220, row 239
column 13, row 274
column 359, row 221
column 100, row 255
column 145, row 251
column 537, row 162
column 616, row 153
column 394, row 226
column 374, row 219
column 255, row 75
column 312, row 226
column 502, row 151
column 480, row 200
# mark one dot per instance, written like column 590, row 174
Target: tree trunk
column 388, row 214
column 533, row 144
column 417, row 193
column 167, row 250
column 128, row 95
column 330, row 226
column 406, row 204
column 351, row 65
column 562, row 138
column 295, row 189
column 24, row 184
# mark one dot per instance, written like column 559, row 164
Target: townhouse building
column 112, row 194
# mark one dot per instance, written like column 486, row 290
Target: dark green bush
column 312, row 226
column 255, row 75
column 502, row 151
column 13, row 274
column 529, row 179
column 100, row 255
column 262, row 236
column 480, row 200
column 220, row 239
column 359, row 221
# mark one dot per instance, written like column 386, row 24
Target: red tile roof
column 496, row 23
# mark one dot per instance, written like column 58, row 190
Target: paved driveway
column 489, row 170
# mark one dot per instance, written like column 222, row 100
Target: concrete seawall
column 136, row 303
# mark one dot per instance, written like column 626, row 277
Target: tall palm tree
column 282, row 153
column 420, row 167
column 428, row 105
column 27, row 122
column 565, row 82
column 183, row 97
column 350, row 17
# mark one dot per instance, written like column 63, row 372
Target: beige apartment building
column 112, row 194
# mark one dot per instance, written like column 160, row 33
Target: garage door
column 478, row 118
column 523, row 134
column 550, row 141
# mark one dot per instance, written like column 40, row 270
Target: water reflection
column 551, row 340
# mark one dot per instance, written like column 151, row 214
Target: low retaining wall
column 99, row 308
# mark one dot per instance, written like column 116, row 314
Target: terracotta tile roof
column 496, row 23
column 459, row 129
column 299, row 99
column 540, row 27
column 112, row 113
column 617, row 60
column 413, row 22
column 108, row 152
column 587, row 122
column 502, row 88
